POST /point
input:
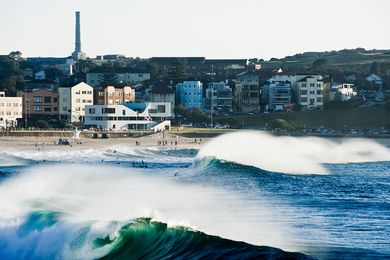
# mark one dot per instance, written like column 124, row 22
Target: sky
column 210, row 28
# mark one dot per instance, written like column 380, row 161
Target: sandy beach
column 155, row 140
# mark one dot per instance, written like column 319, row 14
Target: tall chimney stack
column 77, row 54
column 78, row 38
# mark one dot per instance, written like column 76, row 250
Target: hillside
column 359, row 118
column 333, row 58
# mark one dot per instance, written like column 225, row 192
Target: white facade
column 189, row 94
column 309, row 91
column 72, row 101
column 342, row 92
column 130, row 116
column 11, row 109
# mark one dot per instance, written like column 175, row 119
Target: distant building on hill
column 375, row 79
column 341, row 91
column 123, row 76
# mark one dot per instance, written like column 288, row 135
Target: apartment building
column 309, row 91
column 277, row 95
column 11, row 109
column 189, row 94
column 39, row 102
column 72, row 101
column 218, row 98
column 111, row 95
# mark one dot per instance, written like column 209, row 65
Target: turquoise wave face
column 146, row 239
column 138, row 239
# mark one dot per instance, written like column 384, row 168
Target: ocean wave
column 102, row 195
column 292, row 155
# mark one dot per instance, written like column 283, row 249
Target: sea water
column 242, row 195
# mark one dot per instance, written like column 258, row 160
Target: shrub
column 41, row 124
column 282, row 124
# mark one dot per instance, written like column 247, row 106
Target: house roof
column 305, row 79
column 162, row 90
column 226, row 61
column 118, row 70
column 175, row 59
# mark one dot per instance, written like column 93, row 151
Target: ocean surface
column 240, row 196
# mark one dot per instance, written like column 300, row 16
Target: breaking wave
column 294, row 155
column 83, row 211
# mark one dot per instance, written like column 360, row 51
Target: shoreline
column 171, row 141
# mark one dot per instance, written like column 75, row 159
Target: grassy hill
column 361, row 118
column 348, row 59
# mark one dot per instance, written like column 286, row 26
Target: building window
column 47, row 99
column 55, row 100
column 312, row 85
column 108, row 110
column 92, row 111
column 78, row 100
column 84, row 92
column 319, row 100
column 303, row 92
column 303, row 100
column 37, row 99
column 312, row 92
column 160, row 109
column 47, row 108
column 319, row 92
column 37, row 108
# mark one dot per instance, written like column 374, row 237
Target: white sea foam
column 102, row 195
column 67, row 154
column 295, row 155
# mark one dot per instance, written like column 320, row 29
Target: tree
column 177, row 73
column 109, row 77
column 41, row 124
column 11, row 76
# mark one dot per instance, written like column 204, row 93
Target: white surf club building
column 152, row 116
